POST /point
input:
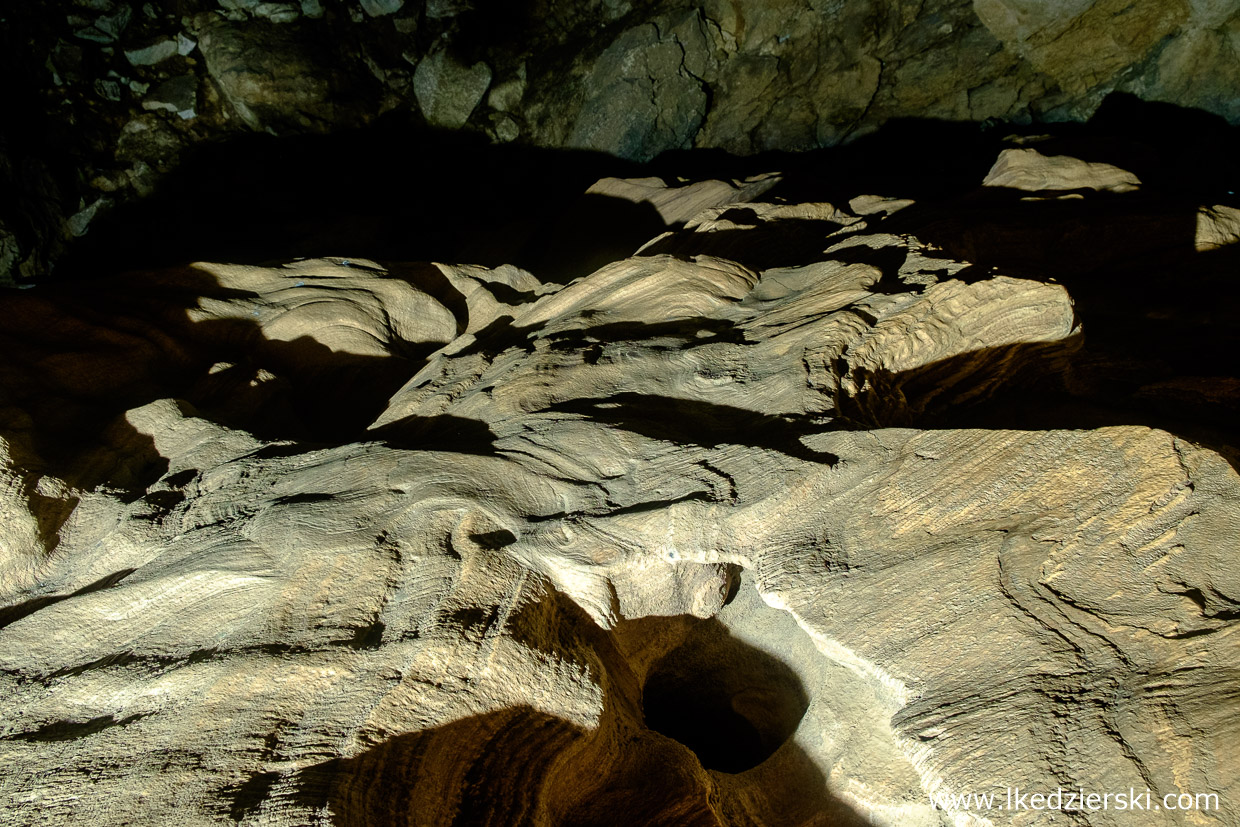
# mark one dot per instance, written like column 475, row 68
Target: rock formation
column 107, row 98
column 803, row 514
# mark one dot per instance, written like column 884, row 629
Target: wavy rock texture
column 337, row 542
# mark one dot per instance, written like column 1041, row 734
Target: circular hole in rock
column 732, row 704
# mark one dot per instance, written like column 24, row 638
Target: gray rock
column 79, row 223
column 645, row 94
column 444, row 9
column 503, row 128
column 380, row 8
column 114, row 24
column 277, row 12
column 178, row 95
column 506, row 96
column 157, row 52
column 448, row 91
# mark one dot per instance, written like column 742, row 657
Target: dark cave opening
column 731, row 704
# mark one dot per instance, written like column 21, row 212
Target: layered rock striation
column 751, row 527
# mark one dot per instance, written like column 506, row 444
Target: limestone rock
column 1027, row 169
column 1074, row 41
column 680, row 542
column 178, row 95
column 1217, row 227
column 677, row 205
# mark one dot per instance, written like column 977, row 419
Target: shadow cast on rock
column 786, row 242
column 82, row 355
column 714, row 741
column 393, row 191
column 693, row 422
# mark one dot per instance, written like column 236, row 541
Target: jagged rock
column 645, row 93
column 346, row 542
column 10, row 254
column 449, row 91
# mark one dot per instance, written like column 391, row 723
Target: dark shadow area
column 50, row 513
column 1159, row 315
column 506, row 766
column 14, row 613
column 595, row 231
column 731, row 704
column 398, row 191
column 1172, row 149
column 949, row 389
column 785, row 242
column 73, row 730
column 674, row 334
column 709, row 425
column 888, row 260
column 1040, row 387
column 393, row 191
column 482, row 769
column 498, row 336
column 440, row 433
column 79, row 356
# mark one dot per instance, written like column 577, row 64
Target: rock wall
column 107, row 97
column 805, row 514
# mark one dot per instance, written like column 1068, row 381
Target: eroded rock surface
column 729, row 532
